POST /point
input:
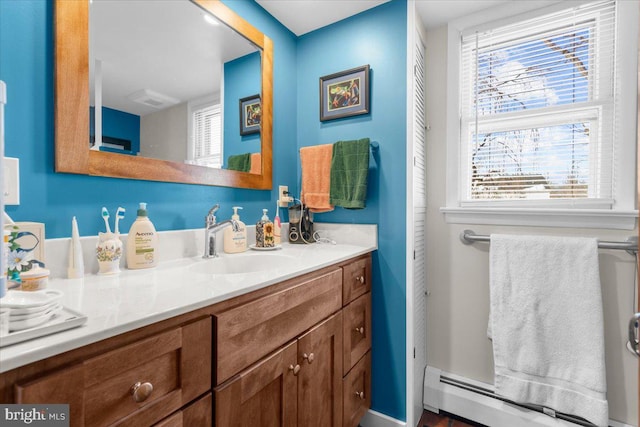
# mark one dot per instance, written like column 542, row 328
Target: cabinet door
column 264, row 395
column 320, row 378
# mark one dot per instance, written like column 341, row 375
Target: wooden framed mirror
column 72, row 108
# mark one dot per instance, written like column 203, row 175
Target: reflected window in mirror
column 205, row 133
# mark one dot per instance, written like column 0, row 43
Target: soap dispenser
column 235, row 241
column 264, row 232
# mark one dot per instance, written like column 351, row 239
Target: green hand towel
column 349, row 168
column 240, row 162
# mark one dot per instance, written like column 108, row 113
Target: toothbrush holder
column 108, row 252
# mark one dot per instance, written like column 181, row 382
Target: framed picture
column 250, row 115
column 344, row 94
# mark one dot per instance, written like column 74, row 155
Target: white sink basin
column 243, row 264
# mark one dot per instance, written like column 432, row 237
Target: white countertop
column 136, row 298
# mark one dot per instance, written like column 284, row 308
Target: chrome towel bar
column 630, row 245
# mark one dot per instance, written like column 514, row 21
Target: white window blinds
column 538, row 109
column 207, row 136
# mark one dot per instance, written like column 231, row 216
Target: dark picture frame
column 250, row 115
column 344, row 94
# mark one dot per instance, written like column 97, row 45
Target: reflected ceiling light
column 152, row 99
column 211, row 20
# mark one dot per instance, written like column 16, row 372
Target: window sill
column 568, row 218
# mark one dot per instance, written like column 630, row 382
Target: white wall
column 458, row 275
column 163, row 135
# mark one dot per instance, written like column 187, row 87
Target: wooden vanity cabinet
column 280, row 364
column 296, row 353
column 298, row 385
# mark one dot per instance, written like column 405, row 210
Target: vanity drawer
column 356, row 330
column 101, row 390
column 356, row 389
column 198, row 414
column 356, row 279
column 250, row 331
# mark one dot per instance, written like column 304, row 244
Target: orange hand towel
column 315, row 163
column 256, row 163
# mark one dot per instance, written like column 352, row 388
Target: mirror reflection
column 170, row 82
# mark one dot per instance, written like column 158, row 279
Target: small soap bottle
column 264, row 232
column 235, row 241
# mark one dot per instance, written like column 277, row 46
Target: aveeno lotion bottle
column 142, row 242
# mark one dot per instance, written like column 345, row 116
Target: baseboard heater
column 478, row 402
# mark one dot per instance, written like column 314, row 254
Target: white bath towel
column 546, row 324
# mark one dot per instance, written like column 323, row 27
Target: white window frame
column 194, row 106
column 619, row 213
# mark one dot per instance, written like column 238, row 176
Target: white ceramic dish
column 272, row 248
column 19, row 325
column 65, row 319
column 24, row 299
column 20, row 314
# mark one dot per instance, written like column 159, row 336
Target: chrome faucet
column 210, row 228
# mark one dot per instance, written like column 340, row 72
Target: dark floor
column 429, row 419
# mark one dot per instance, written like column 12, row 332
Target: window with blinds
column 207, row 136
column 538, row 110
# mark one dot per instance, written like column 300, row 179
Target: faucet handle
column 211, row 217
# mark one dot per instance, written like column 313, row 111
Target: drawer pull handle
column 360, row 279
column 141, row 391
column 360, row 394
column 361, row 330
column 295, row 369
column 308, row 357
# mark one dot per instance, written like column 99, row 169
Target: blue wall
column 118, row 124
column 376, row 37
column 242, row 78
column 26, row 65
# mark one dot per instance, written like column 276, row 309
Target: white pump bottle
column 235, row 241
column 142, row 242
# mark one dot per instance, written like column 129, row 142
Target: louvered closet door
column 419, row 218
column 638, row 190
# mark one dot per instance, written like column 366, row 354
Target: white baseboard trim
column 376, row 419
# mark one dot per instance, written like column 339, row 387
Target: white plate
column 19, row 325
column 272, row 248
column 26, row 299
column 65, row 319
column 22, row 313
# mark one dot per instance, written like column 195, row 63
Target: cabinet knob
column 361, row 330
column 141, row 391
column 308, row 357
column 360, row 394
column 360, row 279
column 295, row 369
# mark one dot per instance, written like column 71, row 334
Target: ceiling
column 303, row 16
column 126, row 64
column 155, row 54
